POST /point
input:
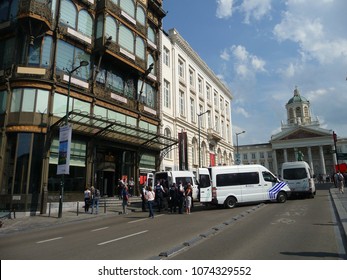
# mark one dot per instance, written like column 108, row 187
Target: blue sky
column 263, row 49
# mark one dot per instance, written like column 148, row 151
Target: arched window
column 85, row 23
column 150, row 60
column 68, row 13
column 298, row 111
column 140, row 15
column 111, row 28
column 306, row 111
column 128, row 6
column 151, row 35
column 126, row 39
column 140, row 48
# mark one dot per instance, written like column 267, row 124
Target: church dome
column 297, row 98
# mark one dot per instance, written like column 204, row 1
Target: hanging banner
column 65, row 133
column 183, row 151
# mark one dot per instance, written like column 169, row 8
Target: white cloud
column 241, row 111
column 224, row 8
column 315, row 25
column 225, row 55
column 256, row 9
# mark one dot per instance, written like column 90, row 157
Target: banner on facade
column 183, row 151
column 65, row 133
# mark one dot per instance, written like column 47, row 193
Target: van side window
column 233, row 179
column 184, row 180
column 268, row 177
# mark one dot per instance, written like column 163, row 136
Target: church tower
column 298, row 110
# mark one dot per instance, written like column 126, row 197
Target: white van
column 298, row 176
column 168, row 177
column 235, row 184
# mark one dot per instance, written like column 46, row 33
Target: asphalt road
column 297, row 229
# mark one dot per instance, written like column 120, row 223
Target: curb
column 341, row 210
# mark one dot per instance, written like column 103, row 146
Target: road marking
column 143, row 219
column 124, row 237
column 48, row 240
column 97, row 229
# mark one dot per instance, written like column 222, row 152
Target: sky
column 263, row 49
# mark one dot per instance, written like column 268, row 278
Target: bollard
column 49, row 209
column 78, row 204
column 105, row 207
column 14, row 213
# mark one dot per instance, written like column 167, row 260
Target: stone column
column 285, row 154
column 310, row 162
column 322, row 161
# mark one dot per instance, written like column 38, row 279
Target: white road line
column 120, row 238
column 143, row 219
column 97, row 229
column 48, row 240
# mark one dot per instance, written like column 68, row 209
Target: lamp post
column 199, row 124
column 237, row 147
column 70, row 72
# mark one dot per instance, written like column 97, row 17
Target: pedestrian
column 131, row 186
column 96, row 198
column 173, row 198
column 340, row 182
column 143, row 198
column 87, row 196
column 180, row 198
column 125, row 199
column 188, row 198
column 150, row 197
column 159, row 195
column 91, row 203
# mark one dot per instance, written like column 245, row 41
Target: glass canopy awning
column 112, row 130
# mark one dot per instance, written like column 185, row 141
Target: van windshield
column 294, row 174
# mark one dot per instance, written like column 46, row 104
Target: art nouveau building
column 195, row 108
column 92, row 63
column 301, row 134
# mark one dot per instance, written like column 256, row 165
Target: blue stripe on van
column 275, row 189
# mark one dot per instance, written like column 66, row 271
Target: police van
column 298, row 176
column 167, row 178
column 231, row 185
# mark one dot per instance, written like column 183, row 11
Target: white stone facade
column 191, row 92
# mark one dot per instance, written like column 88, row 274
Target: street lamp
column 70, row 72
column 237, row 146
column 199, row 124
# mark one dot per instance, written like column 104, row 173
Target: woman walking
column 150, row 196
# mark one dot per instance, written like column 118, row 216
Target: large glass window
column 140, row 15
column 85, row 23
column 29, row 100
column 40, row 52
column 128, row 6
column 126, row 38
column 140, row 48
column 68, row 13
column 69, row 57
column 151, row 35
column 111, row 28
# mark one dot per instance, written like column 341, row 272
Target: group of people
column 174, row 199
column 91, row 199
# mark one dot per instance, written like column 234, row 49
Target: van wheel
column 230, row 202
column 281, row 197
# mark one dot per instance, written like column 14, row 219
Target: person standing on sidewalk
column 96, row 198
column 340, row 182
column 125, row 198
column 87, row 196
column 150, row 196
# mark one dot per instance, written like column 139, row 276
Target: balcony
column 35, row 16
column 213, row 135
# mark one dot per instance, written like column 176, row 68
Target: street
column 300, row 229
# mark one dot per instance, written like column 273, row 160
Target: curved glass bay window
column 69, row 56
column 149, row 95
column 40, row 52
column 29, row 100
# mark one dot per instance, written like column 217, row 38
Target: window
column 216, row 100
column 234, row 179
column 261, row 154
column 140, row 15
column 181, row 68
column 245, row 156
column 191, row 78
column 253, row 156
column 8, row 10
column 3, row 100
column 216, row 123
column 167, row 133
column 192, row 110
column 29, row 100
column 268, row 177
column 128, row 6
column 126, row 39
column 110, row 28
column 182, row 103
column 140, row 48
column 151, row 35
column 166, row 57
column 167, row 95
column 208, row 92
column 40, row 53
column 68, row 13
column 200, row 85
column 85, row 23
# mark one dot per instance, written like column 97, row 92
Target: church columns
column 322, row 161
column 285, row 155
column 310, row 162
column 275, row 167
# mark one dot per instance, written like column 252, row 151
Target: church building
column 301, row 138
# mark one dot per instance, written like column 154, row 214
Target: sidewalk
column 340, row 202
column 22, row 222
column 42, row 221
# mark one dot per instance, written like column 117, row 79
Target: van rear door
column 205, row 186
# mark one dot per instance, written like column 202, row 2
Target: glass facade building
column 111, row 104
